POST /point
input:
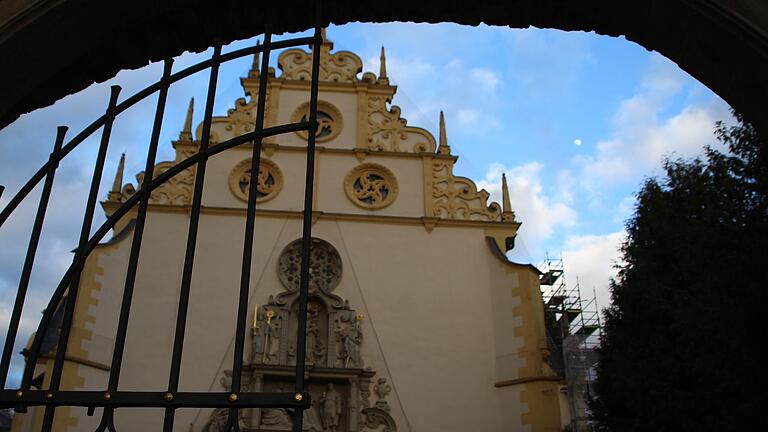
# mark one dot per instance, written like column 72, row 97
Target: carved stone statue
column 271, row 346
column 311, row 421
column 382, row 389
column 350, row 337
column 313, row 333
column 330, row 402
column 276, row 418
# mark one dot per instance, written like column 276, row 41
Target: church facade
column 416, row 321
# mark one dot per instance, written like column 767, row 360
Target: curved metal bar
column 233, row 422
column 121, row 211
column 189, row 253
column 129, row 102
column 107, row 423
column 29, row 260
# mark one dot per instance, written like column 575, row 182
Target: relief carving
column 176, row 191
column 270, row 180
column 457, row 197
column 388, row 131
column 337, row 380
column 342, row 66
column 371, row 186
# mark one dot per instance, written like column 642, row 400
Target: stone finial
column 117, row 186
column 256, row 64
column 324, row 35
column 383, row 67
column 186, row 132
column 507, row 215
column 443, row 147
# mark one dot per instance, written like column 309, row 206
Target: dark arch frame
column 57, row 47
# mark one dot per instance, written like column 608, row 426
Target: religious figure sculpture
column 331, row 409
column 271, row 339
column 313, row 332
column 276, row 418
column 382, row 389
column 350, row 338
column 311, row 421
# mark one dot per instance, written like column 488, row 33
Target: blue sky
column 575, row 120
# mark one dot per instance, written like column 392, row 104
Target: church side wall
column 427, row 298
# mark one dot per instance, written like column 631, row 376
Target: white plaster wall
column 427, row 297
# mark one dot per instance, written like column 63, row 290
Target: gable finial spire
column 256, row 61
column 507, row 215
column 327, row 43
column 443, row 147
column 383, row 65
column 186, row 132
column 117, row 185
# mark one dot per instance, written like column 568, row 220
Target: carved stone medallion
column 329, row 119
column 270, row 180
column 324, row 266
column 371, row 186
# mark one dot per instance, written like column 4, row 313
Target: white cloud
column 484, row 77
column 625, row 209
column 577, row 142
column 642, row 136
column 591, row 260
column 540, row 213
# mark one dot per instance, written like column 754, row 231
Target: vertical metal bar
column 71, row 298
column 138, row 233
column 189, row 256
column 306, row 235
column 245, row 275
column 29, row 260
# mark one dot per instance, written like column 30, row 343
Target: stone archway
column 52, row 48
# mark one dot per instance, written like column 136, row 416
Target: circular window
column 328, row 118
column 371, row 186
column 270, row 180
column 324, row 266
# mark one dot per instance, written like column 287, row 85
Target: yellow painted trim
column 341, row 87
column 81, row 360
column 427, row 167
column 357, row 152
column 368, row 218
column 524, row 380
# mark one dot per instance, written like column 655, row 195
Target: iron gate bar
column 71, row 299
column 29, row 259
column 189, row 254
column 122, row 211
column 250, row 221
column 306, row 235
column 133, row 259
column 138, row 97
column 65, row 294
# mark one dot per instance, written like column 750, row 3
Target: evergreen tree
column 680, row 351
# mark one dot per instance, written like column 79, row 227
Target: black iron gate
column 65, row 296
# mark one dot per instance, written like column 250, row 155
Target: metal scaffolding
column 573, row 334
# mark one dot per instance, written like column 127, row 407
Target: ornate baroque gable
column 457, row 197
column 388, row 131
column 342, row 66
column 176, row 191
